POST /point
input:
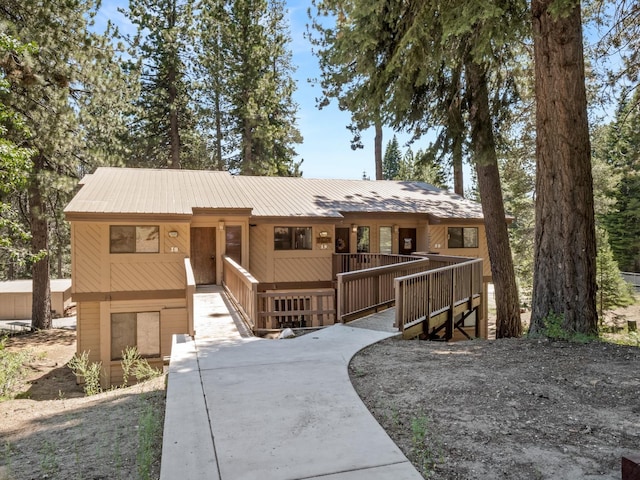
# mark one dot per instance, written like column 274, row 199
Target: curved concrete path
column 243, row 408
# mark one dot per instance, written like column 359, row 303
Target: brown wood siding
column 148, row 275
column 258, row 251
column 438, row 239
column 181, row 242
column 116, row 370
column 88, row 319
column 302, row 269
column 87, row 256
column 172, row 321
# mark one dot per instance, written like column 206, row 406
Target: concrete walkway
column 245, row 408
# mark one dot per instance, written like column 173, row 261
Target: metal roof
column 178, row 192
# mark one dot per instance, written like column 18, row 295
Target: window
column 233, row 243
column 292, row 238
column 132, row 239
column 385, row 240
column 140, row 330
column 463, row 237
column 363, row 240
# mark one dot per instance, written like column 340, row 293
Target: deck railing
column 242, row 288
column 300, row 308
column 273, row 310
column 190, row 290
column 422, row 296
column 352, row 262
column 363, row 291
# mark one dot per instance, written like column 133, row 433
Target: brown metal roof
column 178, row 192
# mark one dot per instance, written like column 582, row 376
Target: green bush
column 11, row 368
column 90, row 371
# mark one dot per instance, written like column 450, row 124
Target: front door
column 203, row 255
column 343, row 235
column 406, row 241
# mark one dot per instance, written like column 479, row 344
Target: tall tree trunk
column 247, row 142
column 508, row 322
column 564, row 279
column 172, row 90
column 457, row 131
column 41, row 293
column 378, row 150
column 456, row 156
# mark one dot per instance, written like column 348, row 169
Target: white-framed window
column 134, row 239
column 462, row 237
column 292, row 238
column 135, row 329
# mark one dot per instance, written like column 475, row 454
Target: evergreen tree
column 391, row 160
column 247, row 65
column 50, row 88
column 564, row 280
column 402, row 62
column 622, row 152
column 163, row 118
column 15, row 163
column 427, row 170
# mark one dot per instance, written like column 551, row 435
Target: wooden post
column 632, row 326
column 631, row 467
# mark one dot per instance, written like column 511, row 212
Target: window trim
column 307, row 243
column 463, row 237
column 135, row 332
column 135, row 244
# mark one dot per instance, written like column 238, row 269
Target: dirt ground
column 52, row 431
column 506, row 409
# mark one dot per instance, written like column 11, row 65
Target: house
column 143, row 239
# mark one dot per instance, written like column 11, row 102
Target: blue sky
column 326, row 148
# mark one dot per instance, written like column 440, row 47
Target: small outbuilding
column 15, row 298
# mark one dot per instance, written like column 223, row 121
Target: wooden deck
column 435, row 296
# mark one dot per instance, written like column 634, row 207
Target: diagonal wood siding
column 137, row 276
column 438, row 242
column 258, row 252
column 87, row 241
column 302, row 269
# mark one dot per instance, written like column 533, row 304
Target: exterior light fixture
column 173, row 234
column 221, row 226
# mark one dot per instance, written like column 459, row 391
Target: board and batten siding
column 438, row 243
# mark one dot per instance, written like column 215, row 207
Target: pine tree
column 246, row 62
column 622, row 152
column 49, row 89
column 164, row 118
column 564, row 281
column 391, row 160
column 15, row 162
